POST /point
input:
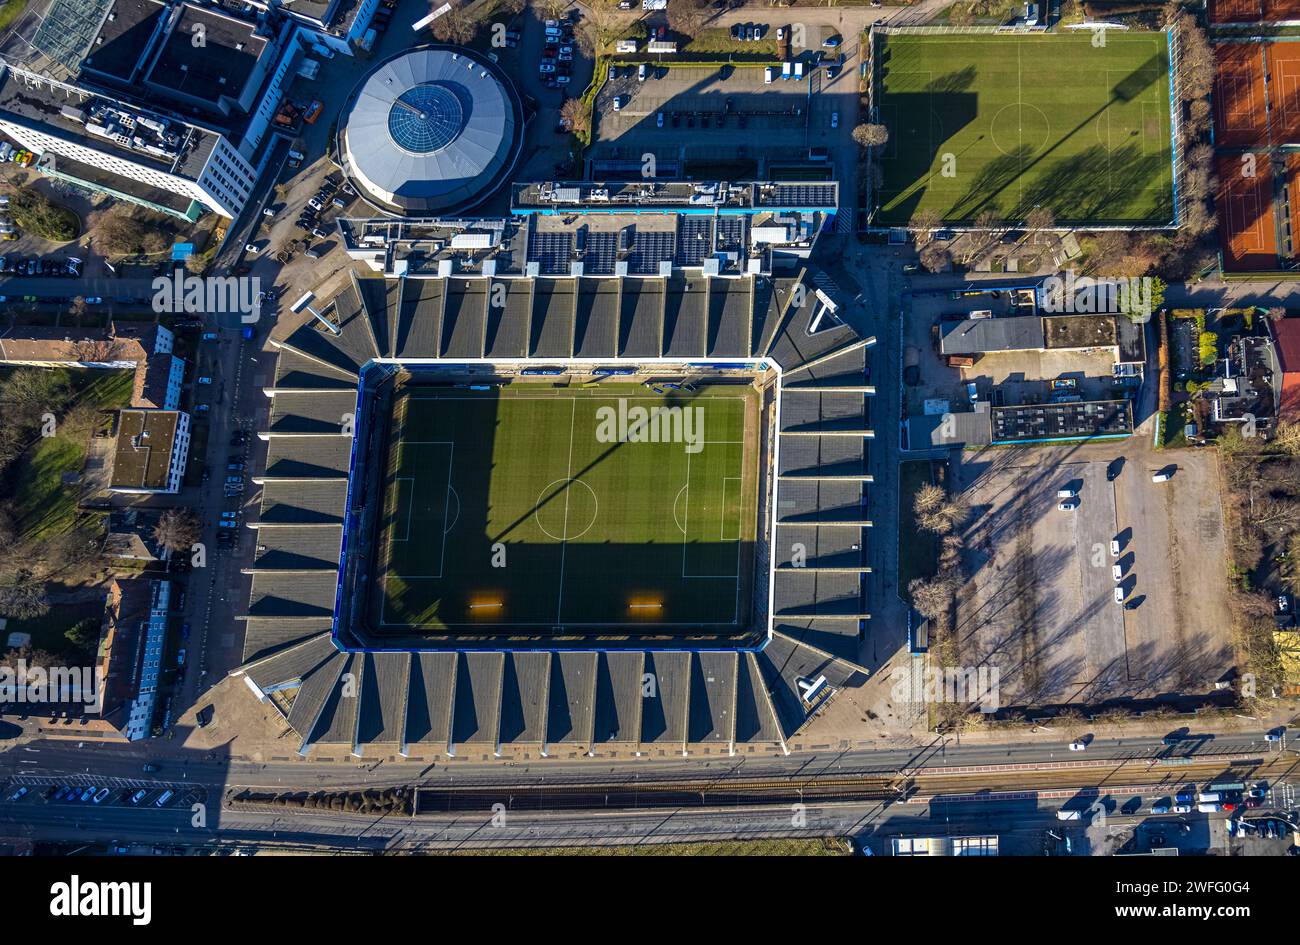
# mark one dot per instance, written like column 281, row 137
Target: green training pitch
column 1007, row 123
column 537, row 508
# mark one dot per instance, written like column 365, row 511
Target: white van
column 640, row 72
column 1069, row 815
column 1209, row 797
column 1209, row 808
column 1066, row 493
column 164, row 797
column 768, row 75
column 1162, row 476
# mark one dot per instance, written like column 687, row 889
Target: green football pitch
column 1009, row 123
column 540, row 508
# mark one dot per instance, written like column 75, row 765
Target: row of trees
column 941, row 515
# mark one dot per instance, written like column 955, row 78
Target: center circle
column 1020, row 125
column 425, row 118
column 566, row 509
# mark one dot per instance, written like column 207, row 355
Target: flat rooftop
column 144, row 448
column 634, row 196
column 97, row 177
column 122, row 38
column 978, row 335
column 220, row 67
column 616, row 241
column 65, row 110
column 1062, row 420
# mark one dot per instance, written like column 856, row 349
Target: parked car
column 19, row 794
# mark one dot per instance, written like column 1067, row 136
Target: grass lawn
column 10, row 10
column 48, row 630
column 47, row 506
column 918, row 551
column 596, row 529
column 718, row 40
column 1008, row 123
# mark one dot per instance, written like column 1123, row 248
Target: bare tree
column 1276, row 515
column 868, row 135
column 456, row 26
column 1040, row 218
column 24, row 600
column 575, row 114
column 923, row 224
column 97, row 350
column 932, row 597
column 1287, row 437
column 686, row 16
column 929, row 498
column 936, row 257
column 178, row 529
column 944, row 518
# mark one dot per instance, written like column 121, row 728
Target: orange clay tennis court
column 1284, row 91
column 1293, row 210
column 1276, row 10
column 1254, row 11
column 1239, row 115
column 1247, row 231
column 1235, row 11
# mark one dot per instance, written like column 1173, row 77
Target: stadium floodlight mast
column 299, row 305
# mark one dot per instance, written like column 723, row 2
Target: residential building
column 159, row 371
column 152, row 449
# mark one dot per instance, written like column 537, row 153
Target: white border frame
column 765, row 363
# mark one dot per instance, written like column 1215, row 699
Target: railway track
column 920, row 786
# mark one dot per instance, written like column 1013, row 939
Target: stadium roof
column 432, row 128
column 583, row 695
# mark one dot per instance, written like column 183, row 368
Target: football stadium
column 578, row 502
column 591, row 481
column 993, row 123
column 552, row 506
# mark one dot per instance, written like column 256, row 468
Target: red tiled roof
column 1286, row 332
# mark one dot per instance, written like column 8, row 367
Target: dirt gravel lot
column 1040, row 600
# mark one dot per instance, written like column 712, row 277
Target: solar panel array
column 694, row 240
column 601, row 254
column 551, row 251
column 801, row 195
column 731, row 232
column 648, row 250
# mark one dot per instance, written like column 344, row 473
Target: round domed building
column 431, row 130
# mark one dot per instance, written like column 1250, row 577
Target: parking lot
column 90, row 791
column 723, row 115
column 1040, row 603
